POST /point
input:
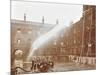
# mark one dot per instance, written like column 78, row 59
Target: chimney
column 24, row 17
column 57, row 22
column 43, row 19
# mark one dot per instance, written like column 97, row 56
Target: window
column 18, row 41
column 18, row 30
column 89, row 45
column 55, row 43
column 62, row 44
column 62, row 49
column 74, row 41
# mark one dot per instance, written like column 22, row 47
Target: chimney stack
column 43, row 19
column 57, row 22
column 24, row 17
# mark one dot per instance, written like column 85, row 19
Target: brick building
column 79, row 39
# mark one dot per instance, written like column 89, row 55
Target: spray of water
column 45, row 38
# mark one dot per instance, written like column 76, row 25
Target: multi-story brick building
column 79, row 39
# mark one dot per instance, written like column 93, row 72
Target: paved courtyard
column 64, row 67
column 72, row 67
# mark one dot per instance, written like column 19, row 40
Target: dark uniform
column 32, row 64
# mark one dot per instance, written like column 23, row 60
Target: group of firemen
column 42, row 64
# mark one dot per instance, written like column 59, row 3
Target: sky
column 65, row 13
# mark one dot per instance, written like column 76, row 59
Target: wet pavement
column 64, row 67
column 72, row 67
